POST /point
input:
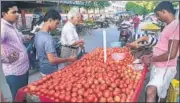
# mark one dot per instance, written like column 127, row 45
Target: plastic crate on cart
column 173, row 92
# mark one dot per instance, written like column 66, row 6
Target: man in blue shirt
column 45, row 47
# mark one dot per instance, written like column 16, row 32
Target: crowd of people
column 162, row 62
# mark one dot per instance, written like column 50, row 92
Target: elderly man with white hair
column 69, row 38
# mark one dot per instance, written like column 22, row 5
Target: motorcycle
column 125, row 33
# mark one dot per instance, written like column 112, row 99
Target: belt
column 71, row 47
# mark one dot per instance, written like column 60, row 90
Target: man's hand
column 72, row 58
column 81, row 45
column 81, row 42
column 133, row 45
column 13, row 57
column 146, row 59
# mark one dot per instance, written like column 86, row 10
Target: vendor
column 142, row 40
column 69, row 38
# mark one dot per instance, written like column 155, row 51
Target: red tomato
column 73, row 99
column 61, row 97
column 102, row 100
column 117, row 99
column 79, row 86
column 106, row 93
column 110, row 99
column 74, row 94
column 67, row 98
column 99, row 94
column 81, row 91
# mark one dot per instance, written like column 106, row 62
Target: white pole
column 104, row 45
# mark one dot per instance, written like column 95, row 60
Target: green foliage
column 141, row 7
column 96, row 4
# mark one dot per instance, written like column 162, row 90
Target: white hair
column 72, row 13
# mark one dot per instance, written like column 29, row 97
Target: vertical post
column 104, row 45
column 23, row 18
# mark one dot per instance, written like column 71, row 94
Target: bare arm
column 78, row 42
column 164, row 57
column 56, row 60
column 144, row 38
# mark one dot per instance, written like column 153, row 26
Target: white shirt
column 69, row 34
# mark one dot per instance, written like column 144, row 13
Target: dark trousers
column 16, row 82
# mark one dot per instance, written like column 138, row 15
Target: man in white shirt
column 69, row 38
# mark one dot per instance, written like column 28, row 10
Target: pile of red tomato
column 91, row 80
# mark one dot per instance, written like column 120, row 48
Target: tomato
column 56, row 100
column 74, row 94
column 74, row 89
column 91, row 98
column 99, row 94
column 96, row 82
column 86, row 93
column 67, row 98
column 113, row 85
column 73, row 99
column 26, row 90
column 116, row 92
column 52, row 98
column 102, row 100
column 86, row 86
column 90, row 91
column 61, row 97
column 107, row 93
column 79, row 86
column 103, row 87
column 51, row 92
column 93, row 86
column 81, row 91
column 110, row 99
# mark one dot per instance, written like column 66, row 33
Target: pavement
column 92, row 40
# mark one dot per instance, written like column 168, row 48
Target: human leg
column 16, row 82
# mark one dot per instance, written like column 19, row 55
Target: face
column 76, row 19
column 161, row 15
column 54, row 24
column 12, row 15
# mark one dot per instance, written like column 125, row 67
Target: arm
column 144, row 38
column 164, row 57
column 50, row 49
column 25, row 38
column 135, row 43
column 78, row 42
column 71, row 40
column 56, row 60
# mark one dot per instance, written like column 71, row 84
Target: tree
column 96, row 4
column 141, row 7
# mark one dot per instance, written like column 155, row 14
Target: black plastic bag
column 81, row 53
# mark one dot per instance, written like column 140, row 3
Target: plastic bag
column 81, row 53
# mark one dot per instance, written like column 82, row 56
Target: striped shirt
column 152, row 41
column 11, row 41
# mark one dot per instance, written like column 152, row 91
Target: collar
column 71, row 24
column 7, row 23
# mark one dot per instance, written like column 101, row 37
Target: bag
column 31, row 50
column 82, row 52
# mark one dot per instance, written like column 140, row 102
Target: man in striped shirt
column 14, row 57
column 143, row 40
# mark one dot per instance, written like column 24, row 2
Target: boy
column 45, row 47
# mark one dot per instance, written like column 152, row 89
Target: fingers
column 13, row 57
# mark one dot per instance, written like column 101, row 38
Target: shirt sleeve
column 3, row 34
column 49, row 47
column 175, row 32
column 152, row 40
